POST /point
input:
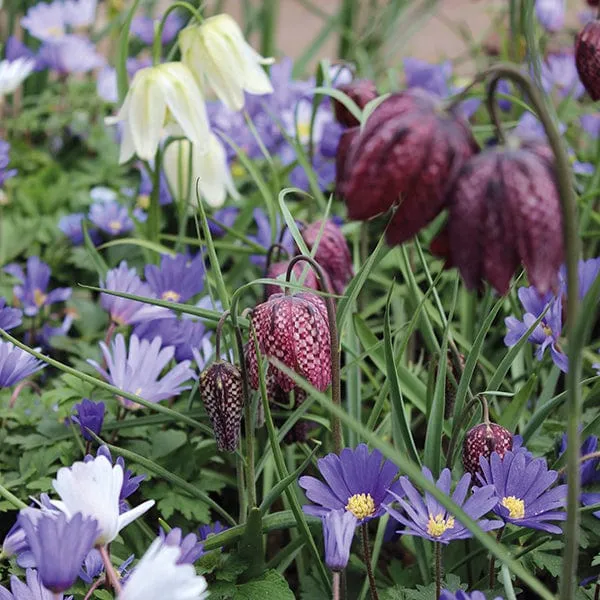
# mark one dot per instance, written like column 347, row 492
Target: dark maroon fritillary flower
column 280, row 268
column 294, row 329
column 482, row 440
column 505, row 209
column 587, row 58
column 407, row 152
column 361, row 91
column 222, row 393
column 332, row 252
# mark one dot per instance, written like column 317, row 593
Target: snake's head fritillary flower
column 361, row 91
column 300, row 271
column 482, row 440
column 59, row 545
column 217, row 53
column 16, row 364
column 190, row 548
column 295, row 330
column 157, row 95
column 178, row 277
column 221, row 390
column 460, row 595
column 523, row 489
column 504, row 210
column 332, row 252
column 93, row 488
column 425, row 517
column 356, row 481
column 587, row 58
column 9, row 317
column 159, row 574
column 408, row 148
column 89, row 415
column 338, row 533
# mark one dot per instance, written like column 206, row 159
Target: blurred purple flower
column 550, row 14
column 32, row 293
column 547, row 332
column 138, row 369
column 143, row 28
column 70, row 54
column 15, row 49
column 31, row 590
column 226, row 216
column 263, row 236
column 4, row 160
column 89, row 415
column 48, row 331
column 204, row 531
column 559, row 72
column 9, row 317
column 590, row 123
column 80, row 13
column 191, row 549
column 530, row 128
column 111, row 218
column 146, row 186
column 16, row 364
column 45, row 21
column 178, row 278
column 72, row 226
column 432, row 78
column 587, row 271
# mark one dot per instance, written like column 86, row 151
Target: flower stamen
column 437, row 525
column 171, row 296
column 361, row 506
column 515, row 506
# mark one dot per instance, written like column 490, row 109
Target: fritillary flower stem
column 364, row 530
column 438, row 570
column 272, row 248
column 157, row 45
column 220, row 324
column 457, row 427
column 111, row 574
column 568, row 581
column 336, row 386
column 336, row 585
column 154, row 210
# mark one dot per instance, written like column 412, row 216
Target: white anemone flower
column 217, row 53
column 209, row 169
column 157, row 97
column 13, row 73
column 92, row 489
column 158, row 576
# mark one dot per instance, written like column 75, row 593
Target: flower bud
column 505, row 209
column 361, row 91
column 482, row 440
column 221, row 390
column 587, row 58
column 408, row 150
column 332, row 252
column 280, row 268
column 293, row 329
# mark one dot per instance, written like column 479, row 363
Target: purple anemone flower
column 428, row 519
column 71, row 226
column 33, row 589
column 551, row 14
column 9, row 317
column 263, row 236
column 4, row 161
column 80, row 13
column 548, row 331
column 122, row 310
column 587, row 272
column 191, row 548
column 143, row 28
column 225, row 216
column 32, row 293
column 111, row 218
column 460, row 595
column 356, row 481
column 70, row 54
column 59, row 545
column 590, row 123
column 178, row 278
column 338, row 533
column 147, row 185
column 89, row 415
column 204, row 531
column 559, row 72
column 138, row 369
column 16, row 364
column 45, row 21
column 432, row 78
column 92, row 566
column 15, row 49
column 522, row 487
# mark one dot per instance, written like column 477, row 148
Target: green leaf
column 123, row 54
column 166, row 441
column 251, row 547
column 510, row 415
column 98, row 262
column 271, row 586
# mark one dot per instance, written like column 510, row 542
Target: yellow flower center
column 438, row 525
column 547, row 330
column 143, row 201
column 39, row 297
column 115, row 226
column 237, row 170
column 171, row 296
column 361, row 505
column 516, row 507
column 303, row 130
column 55, row 31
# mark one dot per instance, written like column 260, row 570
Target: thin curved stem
column 336, row 385
column 271, row 251
column 220, row 324
column 492, row 108
column 458, row 425
column 157, row 43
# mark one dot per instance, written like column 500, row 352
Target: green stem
column 154, row 210
column 12, row 498
column 347, row 17
column 367, row 558
column 158, row 31
column 438, row 570
column 269, row 27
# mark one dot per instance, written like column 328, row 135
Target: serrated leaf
column 271, row 586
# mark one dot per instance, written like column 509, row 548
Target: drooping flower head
column 482, row 440
column 178, row 278
column 547, row 332
column 159, row 574
column 32, row 291
column 16, row 364
column 357, row 481
column 89, row 415
column 523, row 490
column 425, row 517
column 407, row 148
column 504, row 210
column 9, row 317
column 219, row 56
column 59, row 545
column 338, row 532
column 93, row 488
column 138, row 369
column 295, row 330
column 190, row 548
column 128, row 312
column 587, row 57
